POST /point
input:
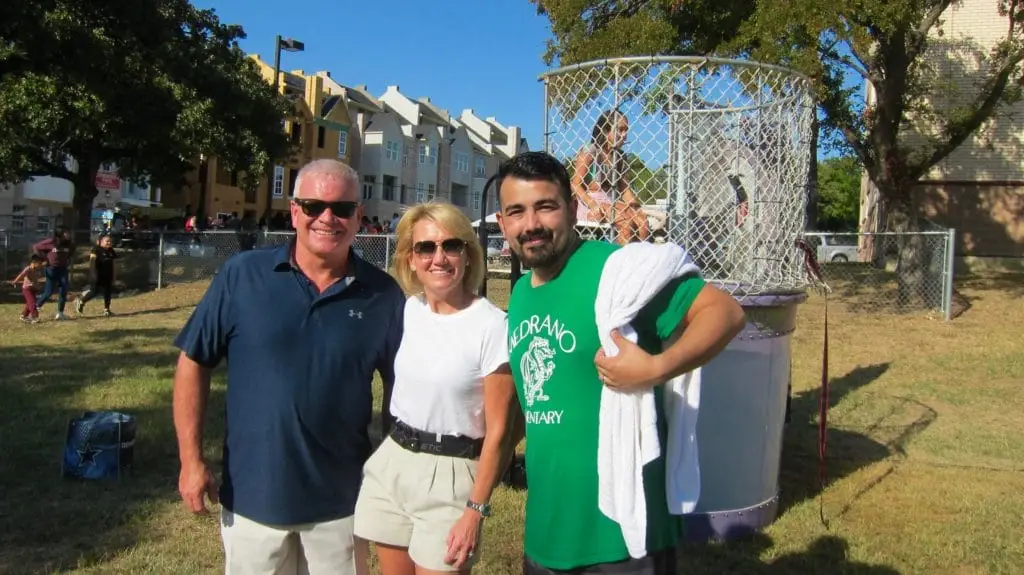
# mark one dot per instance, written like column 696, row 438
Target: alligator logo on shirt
column 537, row 368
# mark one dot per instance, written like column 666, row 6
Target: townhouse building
column 978, row 189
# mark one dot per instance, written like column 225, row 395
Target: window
column 342, row 143
column 421, row 193
column 278, row 181
column 480, row 167
column 293, row 178
column 431, row 192
column 461, row 162
column 424, row 153
column 405, row 156
column 18, row 219
column 320, row 133
column 368, row 184
column 296, row 132
column 391, row 150
column 475, row 201
column 43, row 221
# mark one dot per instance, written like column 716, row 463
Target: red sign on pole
column 108, row 181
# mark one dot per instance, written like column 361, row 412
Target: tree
column 147, row 85
column 897, row 137
column 838, row 194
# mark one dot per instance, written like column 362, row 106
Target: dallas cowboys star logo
column 87, row 455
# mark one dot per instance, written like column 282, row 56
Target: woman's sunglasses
column 452, row 247
column 313, row 208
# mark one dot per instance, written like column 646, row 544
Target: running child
column 28, row 278
column 101, row 265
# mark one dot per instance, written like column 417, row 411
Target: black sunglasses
column 313, row 208
column 452, row 247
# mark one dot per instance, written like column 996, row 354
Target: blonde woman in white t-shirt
column 426, row 490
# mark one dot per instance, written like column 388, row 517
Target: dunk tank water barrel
column 715, row 154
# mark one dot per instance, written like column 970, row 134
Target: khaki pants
column 251, row 548
column 413, row 500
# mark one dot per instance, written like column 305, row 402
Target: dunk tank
column 713, row 154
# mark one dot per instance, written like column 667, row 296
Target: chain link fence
column 860, row 280
column 710, row 154
column 867, row 280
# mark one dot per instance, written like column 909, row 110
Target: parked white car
column 832, row 247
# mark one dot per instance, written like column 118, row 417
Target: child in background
column 28, row 278
column 101, row 260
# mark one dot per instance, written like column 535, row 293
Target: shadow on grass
column 48, row 523
column 847, row 450
column 827, row 554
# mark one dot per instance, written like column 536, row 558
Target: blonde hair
column 456, row 223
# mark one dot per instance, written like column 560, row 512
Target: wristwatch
column 484, row 509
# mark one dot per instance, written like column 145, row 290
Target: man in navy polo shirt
column 303, row 327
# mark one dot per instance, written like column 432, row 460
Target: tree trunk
column 870, row 222
column 85, row 194
column 811, row 211
column 912, row 250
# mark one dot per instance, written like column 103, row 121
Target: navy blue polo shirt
column 300, row 370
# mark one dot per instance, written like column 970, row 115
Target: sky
column 479, row 54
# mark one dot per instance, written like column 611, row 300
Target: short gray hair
column 327, row 167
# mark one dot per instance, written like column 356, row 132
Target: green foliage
column 881, row 42
column 838, row 194
column 148, row 85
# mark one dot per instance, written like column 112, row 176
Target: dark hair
column 533, row 167
column 58, row 235
column 34, row 258
column 605, row 122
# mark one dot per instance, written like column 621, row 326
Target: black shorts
column 658, row 563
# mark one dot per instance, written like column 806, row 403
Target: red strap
column 811, row 264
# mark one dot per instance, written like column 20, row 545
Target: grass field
column 926, row 460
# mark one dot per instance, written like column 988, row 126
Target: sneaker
column 26, row 319
column 107, row 313
column 60, row 317
column 79, row 306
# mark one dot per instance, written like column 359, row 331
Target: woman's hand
column 462, row 538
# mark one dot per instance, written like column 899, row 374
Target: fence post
column 160, row 262
column 947, row 297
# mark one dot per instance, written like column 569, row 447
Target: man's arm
column 191, row 391
column 712, row 321
column 203, row 343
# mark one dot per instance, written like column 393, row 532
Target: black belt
column 447, row 445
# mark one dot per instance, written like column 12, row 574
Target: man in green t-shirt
column 559, row 370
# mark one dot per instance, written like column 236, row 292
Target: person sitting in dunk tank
column 601, row 184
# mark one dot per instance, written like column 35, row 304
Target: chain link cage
column 711, row 154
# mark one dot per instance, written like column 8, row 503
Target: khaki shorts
column 413, row 500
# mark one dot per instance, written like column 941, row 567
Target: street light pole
column 290, row 45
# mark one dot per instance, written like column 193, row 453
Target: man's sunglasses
column 451, row 247
column 313, row 208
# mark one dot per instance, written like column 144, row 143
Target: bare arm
column 191, row 391
column 499, row 403
column 580, row 169
column 20, row 277
column 713, row 319
column 711, row 323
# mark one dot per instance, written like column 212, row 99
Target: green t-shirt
column 552, row 342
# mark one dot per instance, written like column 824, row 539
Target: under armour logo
column 355, row 314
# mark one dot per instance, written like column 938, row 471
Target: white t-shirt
column 441, row 365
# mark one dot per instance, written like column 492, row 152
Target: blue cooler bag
column 99, row 445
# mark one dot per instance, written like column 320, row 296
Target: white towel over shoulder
column 627, row 433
